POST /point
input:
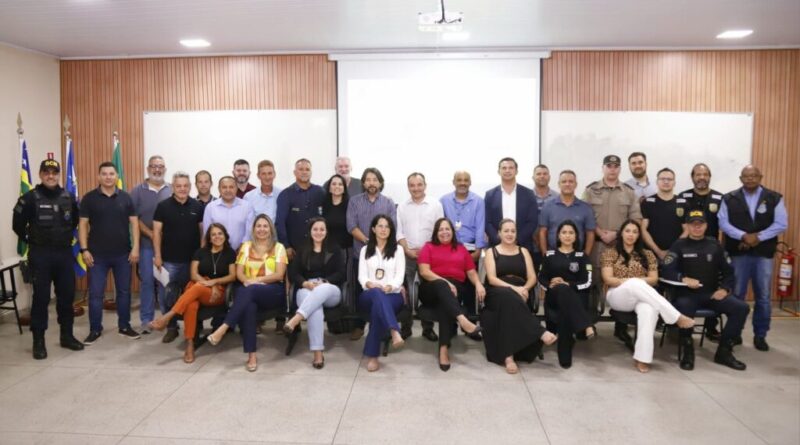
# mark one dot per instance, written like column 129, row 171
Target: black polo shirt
column 109, row 223
column 665, row 219
column 180, row 230
column 708, row 203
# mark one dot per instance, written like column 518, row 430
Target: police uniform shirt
column 180, row 230
column 665, row 219
column 612, row 205
column 296, row 206
column 704, row 260
column 708, row 203
column 109, row 221
column 574, row 268
column 26, row 213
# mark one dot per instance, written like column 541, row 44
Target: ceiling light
column 195, row 43
column 735, row 34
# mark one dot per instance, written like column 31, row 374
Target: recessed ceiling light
column 735, row 34
column 195, row 43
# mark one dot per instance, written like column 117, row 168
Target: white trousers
column 638, row 296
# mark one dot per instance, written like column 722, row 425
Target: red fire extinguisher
column 786, row 271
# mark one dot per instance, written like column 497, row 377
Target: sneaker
column 92, row 337
column 128, row 333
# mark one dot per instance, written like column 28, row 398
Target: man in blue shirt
column 297, row 204
column 467, row 213
column 265, row 198
column 566, row 206
column 233, row 213
column 752, row 217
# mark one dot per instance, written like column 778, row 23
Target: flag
column 24, row 187
column 116, row 159
column 71, row 185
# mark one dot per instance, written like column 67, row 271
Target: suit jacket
column 527, row 215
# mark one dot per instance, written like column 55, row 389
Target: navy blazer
column 527, row 215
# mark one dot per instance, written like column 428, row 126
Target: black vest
column 739, row 217
column 52, row 224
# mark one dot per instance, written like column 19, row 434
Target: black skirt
column 509, row 327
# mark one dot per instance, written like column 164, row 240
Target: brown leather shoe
column 356, row 334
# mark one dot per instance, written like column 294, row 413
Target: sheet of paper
column 161, row 275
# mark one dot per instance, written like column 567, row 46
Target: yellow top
column 259, row 266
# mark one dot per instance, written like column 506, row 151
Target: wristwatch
column 83, row 249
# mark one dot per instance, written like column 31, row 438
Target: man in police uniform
column 703, row 197
column 46, row 218
column 662, row 215
column 703, row 269
column 612, row 202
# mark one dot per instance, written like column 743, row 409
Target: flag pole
column 77, row 306
column 110, row 303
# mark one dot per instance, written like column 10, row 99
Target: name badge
column 458, row 226
column 762, row 208
column 379, row 273
column 690, row 255
column 295, row 209
column 573, row 267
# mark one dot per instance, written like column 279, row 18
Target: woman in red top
column 445, row 265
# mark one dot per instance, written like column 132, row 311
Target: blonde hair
column 272, row 239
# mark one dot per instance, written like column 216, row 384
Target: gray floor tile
column 770, row 410
column 13, row 374
column 634, row 412
column 237, row 405
column 14, row 438
column 425, row 411
column 132, row 440
column 85, row 401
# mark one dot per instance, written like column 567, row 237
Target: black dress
column 509, row 327
column 336, row 217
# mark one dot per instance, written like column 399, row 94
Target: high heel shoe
column 213, row 339
column 319, row 365
column 475, row 334
column 444, row 367
column 593, row 333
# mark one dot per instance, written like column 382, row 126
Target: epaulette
column 629, row 186
column 592, row 184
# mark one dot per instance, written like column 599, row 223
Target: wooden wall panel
column 766, row 83
column 103, row 96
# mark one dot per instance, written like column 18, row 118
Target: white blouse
column 394, row 269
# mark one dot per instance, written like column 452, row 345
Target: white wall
column 29, row 84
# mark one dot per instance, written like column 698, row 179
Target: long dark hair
column 572, row 224
column 327, row 203
column 226, row 245
column 435, row 236
column 308, row 243
column 638, row 246
column 391, row 243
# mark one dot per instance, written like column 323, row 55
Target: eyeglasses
column 157, row 167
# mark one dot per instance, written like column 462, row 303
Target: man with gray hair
column 343, row 168
column 146, row 197
column 177, row 230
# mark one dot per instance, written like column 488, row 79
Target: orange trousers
column 195, row 295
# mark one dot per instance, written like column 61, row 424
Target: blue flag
column 72, row 188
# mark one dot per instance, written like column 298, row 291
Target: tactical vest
column 52, row 224
column 739, row 217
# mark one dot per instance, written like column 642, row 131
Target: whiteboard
column 578, row 140
column 212, row 140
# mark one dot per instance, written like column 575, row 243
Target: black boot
column 621, row 332
column 69, row 341
column 687, row 353
column 564, row 348
column 39, row 349
column 724, row 356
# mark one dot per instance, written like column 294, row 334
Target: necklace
column 214, row 261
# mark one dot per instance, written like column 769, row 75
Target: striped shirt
column 360, row 211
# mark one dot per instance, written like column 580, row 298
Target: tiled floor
column 140, row 392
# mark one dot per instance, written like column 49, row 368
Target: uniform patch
column 762, row 208
column 669, row 258
column 679, row 211
column 709, row 257
column 713, row 207
column 589, row 267
column 690, row 255
column 573, row 267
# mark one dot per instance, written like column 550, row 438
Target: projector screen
column 437, row 115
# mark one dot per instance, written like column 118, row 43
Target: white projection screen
column 212, row 140
column 437, row 114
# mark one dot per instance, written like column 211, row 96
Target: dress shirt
column 394, row 269
column 468, row 217
column 360, row 211
column 777, row 227
column 237, row 218
column 415, row 221
column 263, row 203
column 509, row 203
column 642, row 191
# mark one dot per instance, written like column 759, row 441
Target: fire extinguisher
column 786, row 271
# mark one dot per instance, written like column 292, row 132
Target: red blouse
column 446, row 262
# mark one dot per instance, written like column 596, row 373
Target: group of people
column 346, row 243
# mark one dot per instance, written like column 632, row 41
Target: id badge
column 458, row 226
column 379, row 274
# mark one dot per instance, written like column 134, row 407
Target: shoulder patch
column 550, row 253
column 650, row 199
column 578, row 254
column 670, row 257
column 589, row 267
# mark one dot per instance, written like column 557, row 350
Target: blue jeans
column 119, row 266
column 311, row 303
column 147, row 307
column 178, row 273
column 382, row 309
column 758, row 270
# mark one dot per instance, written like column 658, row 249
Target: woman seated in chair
column 510, row 331
column 381, row 270
column 444, row 266
column 260, row 267
column 213, row 267
column 630, row 271
column 316, row 272
column 567, row 276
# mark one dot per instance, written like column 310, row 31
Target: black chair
column 705, row 314
column 173, row 291
column 336, row 314
column 8, row 294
